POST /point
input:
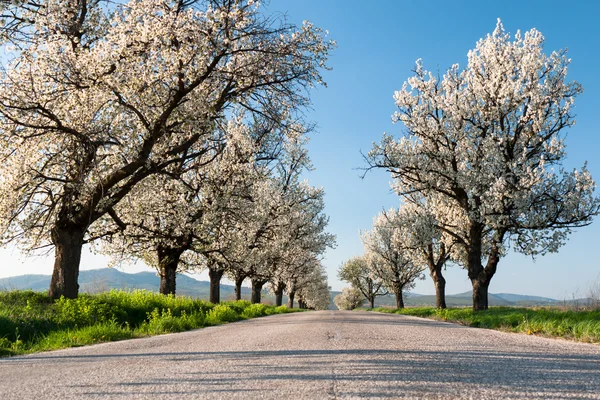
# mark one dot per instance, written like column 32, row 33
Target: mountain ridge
column 104, row 279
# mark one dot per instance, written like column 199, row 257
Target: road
column 314, row 355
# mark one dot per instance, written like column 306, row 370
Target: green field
column 582, row 326
column 31, row 321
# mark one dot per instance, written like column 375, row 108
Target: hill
column 101, row 280
column 465, row 300
column 105, row 279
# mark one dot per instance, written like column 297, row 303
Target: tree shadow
column 336, row 370
column 365, row 373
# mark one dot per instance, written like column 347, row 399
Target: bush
column 85, row 310
column 279, row 310
column 255, row 310
column 238, row 306
column 222, row 313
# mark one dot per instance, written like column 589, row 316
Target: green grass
column 31, row 321
column 576, row 325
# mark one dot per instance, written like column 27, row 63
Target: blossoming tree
column 95, row 98
column 390, row 259
column 487, row 142
column 358, row 273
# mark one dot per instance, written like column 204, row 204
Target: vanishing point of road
column 313, row 355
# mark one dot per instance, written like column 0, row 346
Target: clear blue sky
column 378, row 43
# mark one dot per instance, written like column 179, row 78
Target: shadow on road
column 519, row 372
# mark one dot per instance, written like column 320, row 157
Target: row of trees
column 402, row 244
column 167, row 131
column 479, row 167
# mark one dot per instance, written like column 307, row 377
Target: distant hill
column 465, row 300
column 518, row 298
column 101, row 280
column 105, row 279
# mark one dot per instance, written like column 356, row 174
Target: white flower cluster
column 116, row 116
column 484, row 145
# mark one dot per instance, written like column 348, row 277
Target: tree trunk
column 399, row 298
column 291, row 295
column 168, row 279
column 215, row 276
column 279, row 293
column 279, row 297
column 372, row 301
column 238, row 287
column 480, row 276
column 168, row 261
column 301, row 304
column 475, row 268
column 257, row 286
column 435, row 272
column 480, row 294
column 440, row 291
column 68, row 243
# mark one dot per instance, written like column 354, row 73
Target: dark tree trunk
column 399, row 298
column 440, row 291
column 480, row 276
column 68, row 243
column 372, row 301
column 168, row 279
column 301, row 304
column 480, row 294
column 168, row 261
column 279, row 297
column 279, row 293
column 435, row 271
column 215, row 276
column 475, row 268
column 257, row 285
column 238, row 287
column 481, row 282
column 291, row 295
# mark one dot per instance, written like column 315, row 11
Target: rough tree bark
column 480, row 293
column 291, row 295
column 480, row 277
column 68, row 242
column 399, row 297
column 215, row 274
column 279, row 288
column 238, row 286
column 257, row 285
column 440, row 289
column 168, row 260
column 435, row 271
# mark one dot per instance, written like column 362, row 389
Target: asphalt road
column 315, row 355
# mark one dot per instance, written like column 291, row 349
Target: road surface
column 315, row 355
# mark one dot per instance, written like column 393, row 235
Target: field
column 582, row 326
column 31, row 321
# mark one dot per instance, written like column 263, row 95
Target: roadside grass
column 582, row 326
column 31, row 321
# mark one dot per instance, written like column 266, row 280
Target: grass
column 31, row 321
column 582, row 326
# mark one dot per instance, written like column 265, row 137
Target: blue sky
column 378, row 43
